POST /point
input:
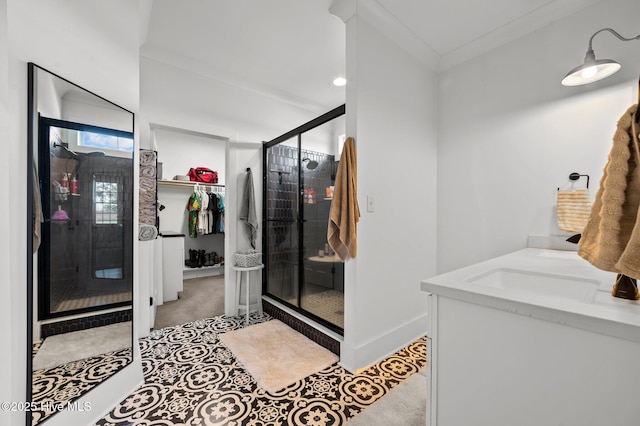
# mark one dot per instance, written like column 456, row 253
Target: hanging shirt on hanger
column 211, row 209
column 220, row 213
column 193, row 207
column 216, row 212
column 202, row 214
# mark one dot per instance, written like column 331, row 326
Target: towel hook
column 576, row 176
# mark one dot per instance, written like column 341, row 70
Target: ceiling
column 292, row 49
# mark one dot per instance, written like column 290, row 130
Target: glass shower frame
column 295, row 220
column 81, row 257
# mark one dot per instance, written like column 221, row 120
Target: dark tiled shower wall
column 302, row 327
column 79, row 248
column 282, row 179
column 282, row 195
column 85, row 323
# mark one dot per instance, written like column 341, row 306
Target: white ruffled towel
column 147, row 232
column 574, row 207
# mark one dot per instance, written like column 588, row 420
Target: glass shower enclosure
column 299, row 173
column 86, row 260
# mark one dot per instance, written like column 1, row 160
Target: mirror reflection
column 83, row 242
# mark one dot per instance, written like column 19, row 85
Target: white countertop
column 605, row 314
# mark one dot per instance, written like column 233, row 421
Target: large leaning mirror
column 80, row 268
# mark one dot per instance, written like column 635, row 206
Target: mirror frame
column 32, row 139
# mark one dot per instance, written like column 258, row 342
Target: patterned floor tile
column 192, row 379
column 54, row 387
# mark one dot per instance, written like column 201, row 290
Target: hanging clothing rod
column 209, row 188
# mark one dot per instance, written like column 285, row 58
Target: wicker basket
column 247, row 259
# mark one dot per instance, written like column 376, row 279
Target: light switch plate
column 370, row 204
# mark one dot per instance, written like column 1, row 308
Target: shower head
column 85, row 157
column 311, row 163
column 66, row 151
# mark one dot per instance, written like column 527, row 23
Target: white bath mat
column 276, row 355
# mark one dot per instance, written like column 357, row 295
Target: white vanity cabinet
column 172, row 265
column 503, row 356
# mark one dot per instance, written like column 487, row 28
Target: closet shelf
column 204, row 268
column 188, row 184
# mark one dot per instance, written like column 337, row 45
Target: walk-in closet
column 191, row 223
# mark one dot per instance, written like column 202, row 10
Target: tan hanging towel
column 345, row 213
column 611, row 239
column 38, row 217
column 574, row 207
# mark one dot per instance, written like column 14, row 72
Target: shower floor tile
column 80, row 298
column 328, row 305
column 191, row 378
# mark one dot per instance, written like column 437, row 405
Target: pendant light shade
column 594, row 69
column 590, row 72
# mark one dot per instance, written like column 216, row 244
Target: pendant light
column 594, row 69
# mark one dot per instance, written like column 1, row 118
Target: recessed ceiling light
column 339, row 81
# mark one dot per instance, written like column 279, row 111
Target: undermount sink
column 540, row 283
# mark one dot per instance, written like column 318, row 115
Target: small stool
column 239, row 270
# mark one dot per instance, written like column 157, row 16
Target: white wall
column 180, row 151
column 391, row 113
column 49, row 101
column 510, row 134
column 12, row 364
column 95, row 44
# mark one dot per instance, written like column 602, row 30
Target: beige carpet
column 63, row 348
column 200, row 298
column 276, row 355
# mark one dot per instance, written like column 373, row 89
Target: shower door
column 282, row 221
column 86, row 260
column 299, row 172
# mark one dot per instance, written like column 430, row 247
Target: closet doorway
column 191, row 222
column 299, row 173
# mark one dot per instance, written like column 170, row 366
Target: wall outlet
column 370, row 204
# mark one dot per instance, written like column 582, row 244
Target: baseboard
column 354, row 358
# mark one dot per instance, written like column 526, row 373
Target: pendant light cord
column 615, row 33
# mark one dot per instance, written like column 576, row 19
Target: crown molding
column 376, row 15
column 527, row 24
column 184, row 63
column 144, row 14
